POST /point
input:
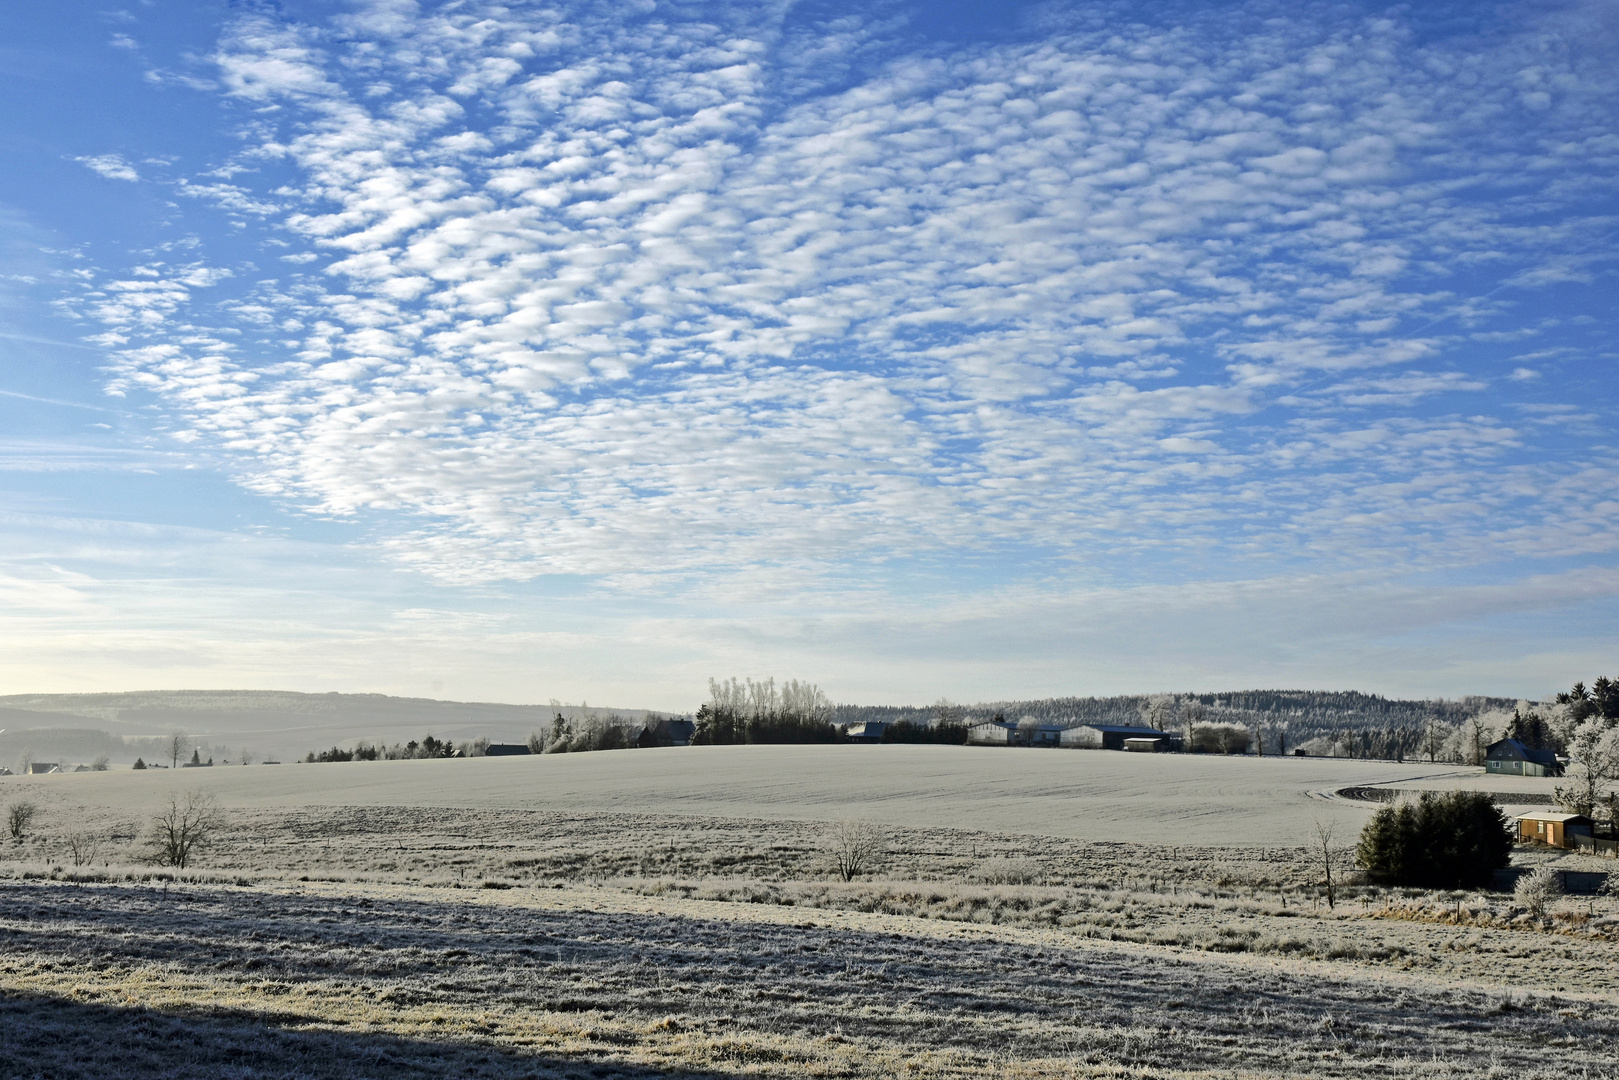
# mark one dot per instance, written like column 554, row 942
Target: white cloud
column 112, row 166
column 639, row 300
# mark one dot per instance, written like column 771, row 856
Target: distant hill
column 267, row 723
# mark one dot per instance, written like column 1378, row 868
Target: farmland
column 673, row 912
column 1140, row 798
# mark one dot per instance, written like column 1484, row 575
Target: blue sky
column 972, row 350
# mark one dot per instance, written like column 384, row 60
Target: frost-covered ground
column 350, row 980
column 1096, row 795
column 518, row 930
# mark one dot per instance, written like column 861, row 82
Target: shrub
column 1451, row 841
column 1220, row 738
column 1537, row 889
column 855, row 847
column 1004, row 871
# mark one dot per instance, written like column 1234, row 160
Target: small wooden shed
column 1557, row 830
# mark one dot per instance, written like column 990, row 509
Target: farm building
column 991, row 733
column 1558, row 830
column 1082, row 736
column 1026, row 732
column 41, row 767
column 506, row 749
column 868, row 731
column 1510, row 757
column 1119, row 736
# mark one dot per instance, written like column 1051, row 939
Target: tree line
column 1341, row 723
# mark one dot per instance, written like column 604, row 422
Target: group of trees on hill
column 1587, row 724
column 1327, row 723
column 760, row 712
column 429, row 747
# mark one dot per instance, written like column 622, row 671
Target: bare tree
column 19, row 816
column 84, row 847
column 176, row 747
column 1431, row 739
column 101, row 764
column 855, row 847
column 1325, row 833
column 1475, row 729
column 183, row 827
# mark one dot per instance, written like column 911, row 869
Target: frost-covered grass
column 305, row 979
column 318, row 941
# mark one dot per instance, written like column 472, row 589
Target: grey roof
column 1125, row 728
column 1510, row 749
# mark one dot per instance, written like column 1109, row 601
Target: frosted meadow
column 521, row 933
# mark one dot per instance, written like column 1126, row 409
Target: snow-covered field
column 1093, row 795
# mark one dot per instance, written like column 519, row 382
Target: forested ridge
column 1344, row 722
column 1327, row 708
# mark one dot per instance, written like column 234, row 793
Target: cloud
column 111, row 166
column 595, row 293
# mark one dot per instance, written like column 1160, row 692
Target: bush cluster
column 908, row 731
column 1451, row 841
column 363, row 751
column 589, row 733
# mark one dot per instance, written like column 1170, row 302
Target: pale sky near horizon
column 509, row 351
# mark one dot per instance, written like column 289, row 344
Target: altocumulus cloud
column 708, row 293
